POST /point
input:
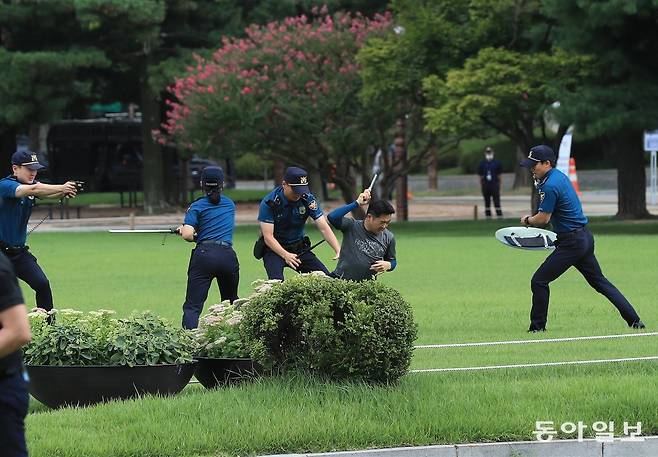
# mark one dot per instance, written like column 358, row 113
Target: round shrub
column 341, row 329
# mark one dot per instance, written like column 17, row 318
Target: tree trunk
column 521, row 175
column 33, row 137
column 172, row 190
column 153, row 172
column 401, row 203
column 315, row 181
column 432, row 170
column 7, row 148
column 277, row 172
column 631, row 175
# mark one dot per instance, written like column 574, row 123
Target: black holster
column 259, row 247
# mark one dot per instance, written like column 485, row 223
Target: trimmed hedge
column 340, row 329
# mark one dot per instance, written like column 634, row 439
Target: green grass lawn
column 464, row 286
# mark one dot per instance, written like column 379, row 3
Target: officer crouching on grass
column 14, row 333
column 559, row 204
column 282, row 216
column 368, row 246
column 18, row 192
column 209, row 222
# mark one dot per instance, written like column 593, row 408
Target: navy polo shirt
column 14, row 213
column 490, row 170
column 558, row 197
column 212, row 222
column 290, row 216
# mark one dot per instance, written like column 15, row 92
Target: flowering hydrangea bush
column 218, row 334
column 294, row 81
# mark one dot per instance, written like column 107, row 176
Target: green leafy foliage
column 341, row 329
column 500, row 89
column 96, row 338
column 218, row 334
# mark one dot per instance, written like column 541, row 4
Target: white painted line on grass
column 544, row 340
column 533, row 365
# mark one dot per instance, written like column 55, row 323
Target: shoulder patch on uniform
column 313, row 205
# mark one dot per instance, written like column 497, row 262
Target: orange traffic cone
column 573, row 176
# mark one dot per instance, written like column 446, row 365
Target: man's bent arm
column 336, row 216
column 45, row 190
column 14, row 329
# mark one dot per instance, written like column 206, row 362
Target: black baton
column 309, row 249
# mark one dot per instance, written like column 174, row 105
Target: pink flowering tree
column 287, row 90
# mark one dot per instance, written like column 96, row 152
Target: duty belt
column 12, row 249
column 218, row 242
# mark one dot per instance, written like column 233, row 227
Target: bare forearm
column 41, row 190
column 328, row 235
column 274, row 245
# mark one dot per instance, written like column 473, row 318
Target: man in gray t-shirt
column 368, row 247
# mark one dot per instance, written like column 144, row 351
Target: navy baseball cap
column 541, row 153
column 212, row 176
column 26, row 159
column 297, row 178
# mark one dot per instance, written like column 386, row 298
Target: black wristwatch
column 526, row 220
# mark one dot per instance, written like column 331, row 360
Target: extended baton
column 310, row 248
column 170, row 230
column 372, row 183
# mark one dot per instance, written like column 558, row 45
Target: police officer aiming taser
column 559, row 204
column 282, row 216
column 18, row 192
column 209, row 222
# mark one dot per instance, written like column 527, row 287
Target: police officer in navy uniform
column 18, row 192
column 282, row 216
column 560, row 205
column 14, row 333
column 209, row 222
column 490, row 171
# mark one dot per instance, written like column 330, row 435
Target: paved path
column 595, row 203
column 556, row 448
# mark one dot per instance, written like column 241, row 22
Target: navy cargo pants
column 13, row 409
column 274, row 264
column 575, row 248
column 209, row 260
column 28, row 270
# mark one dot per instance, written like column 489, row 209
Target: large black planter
column 213, row 373
column 57, row 386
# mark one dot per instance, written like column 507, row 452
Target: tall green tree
column 619, row 101
column 433, row 37
column 504, row 91
column 44, row 73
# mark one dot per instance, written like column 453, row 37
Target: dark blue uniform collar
column 14, row 178
column 545, row 178
column 281, row 195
